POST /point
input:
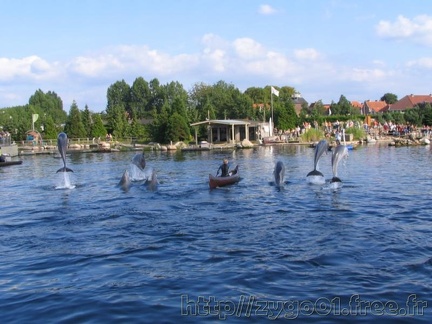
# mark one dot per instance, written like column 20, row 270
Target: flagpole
column 272, row 104
column 271, row 96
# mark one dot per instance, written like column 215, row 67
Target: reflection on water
column 96, row 253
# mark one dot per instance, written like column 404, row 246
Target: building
column 409, row 102
column 230, row 130
column 373, row 107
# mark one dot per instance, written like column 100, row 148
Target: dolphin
column 234, row 171
column 320, row 148
column 139, row 161
column 279, row 173
column 125, row 181
column 153, row 182
column 62, row 143
column 339, row 153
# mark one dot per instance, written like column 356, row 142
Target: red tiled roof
column 410, row 101
column 375, row 106
column 356, row 104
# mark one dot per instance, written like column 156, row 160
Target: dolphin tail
column 64, row 169
column 335, row 179
column 315, row 172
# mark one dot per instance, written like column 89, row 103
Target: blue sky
column 361, row 49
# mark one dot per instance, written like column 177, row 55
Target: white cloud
column 94, row 66
column 367, row 75
column 266, row 9
column 306, row 54
column 247, row 48
column 244, row 61
column 31, row 67
column 123, row 60
column 418, row 29
column 423, row 62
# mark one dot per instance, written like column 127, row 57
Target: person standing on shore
column 338, row 137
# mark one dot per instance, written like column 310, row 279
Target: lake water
column 248, row 252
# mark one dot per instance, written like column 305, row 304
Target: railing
column 81, row 141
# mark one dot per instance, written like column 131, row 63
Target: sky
column 360, row 49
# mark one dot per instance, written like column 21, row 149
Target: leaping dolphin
column 62, row 143
column 320, row 148
column 338, row 154
column 139, row 161
column 279, row 173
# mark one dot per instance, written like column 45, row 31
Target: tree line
column 150, row 111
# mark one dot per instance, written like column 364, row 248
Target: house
column 229, row 130
column 326, row 107
column 409, row 102
column 357, row 105
column 299, row 102
column 373, row 107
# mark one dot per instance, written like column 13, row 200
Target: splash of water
column 315, row 179
column 65, row 181
column 335, row 185
column 139, row 175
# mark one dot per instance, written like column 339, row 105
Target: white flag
column 329, row 113
column 274, row 91
column 35, row 117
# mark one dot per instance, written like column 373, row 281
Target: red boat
column 215, row 182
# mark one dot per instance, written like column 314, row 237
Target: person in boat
column 2, row 159
column 224, row 168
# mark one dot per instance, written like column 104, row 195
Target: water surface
column 247, row 252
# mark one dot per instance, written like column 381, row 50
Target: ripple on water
column 96, row 253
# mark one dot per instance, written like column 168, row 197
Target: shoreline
column 105, row 147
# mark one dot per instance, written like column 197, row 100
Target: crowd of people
column 5, row 138
column 374, row 128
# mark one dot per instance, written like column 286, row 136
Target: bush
column 358, row 133
column 312, row 135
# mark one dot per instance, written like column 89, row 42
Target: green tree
column 87, row 121
column 74, row 127
column 157, row 96
column 117, row 121
column 177, row 128
column 48, row 103
column 335, row 109
column 201, row 105
column 257, row 95
column 318, row 109
column 50, row 129
column 398, row 117
column 413, row 116
column 139, row 98
column 158, row 128
column 118, row 109
column 98, row 129
column 427, row 114
column 345, row 107
column 137, row 130
column 389, row 98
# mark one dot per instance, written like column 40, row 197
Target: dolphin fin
column 335, row 179
column 315, row 173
